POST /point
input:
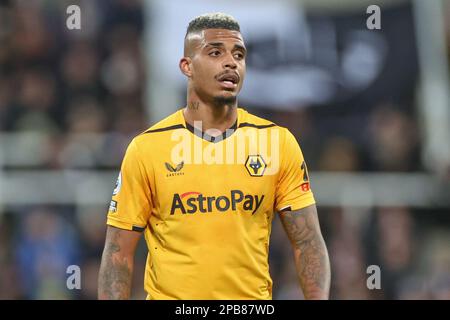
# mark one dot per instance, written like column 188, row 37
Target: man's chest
column 189, row 188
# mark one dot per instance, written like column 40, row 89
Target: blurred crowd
column 78, row 96
column 82, row 95
column 63, row 84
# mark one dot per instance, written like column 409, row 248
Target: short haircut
column 215, row 20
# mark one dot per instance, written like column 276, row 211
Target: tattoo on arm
column 311, row 256
column 193, row 105
column 115, row 271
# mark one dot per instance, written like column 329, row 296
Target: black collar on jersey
column 228, row 132
column 206, row 136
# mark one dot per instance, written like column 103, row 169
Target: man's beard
column 224, row 101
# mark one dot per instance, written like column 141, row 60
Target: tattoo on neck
column 194, row 105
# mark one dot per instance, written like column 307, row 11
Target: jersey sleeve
column 293, row 189
column 131, row 202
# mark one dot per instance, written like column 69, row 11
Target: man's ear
column 185, row 66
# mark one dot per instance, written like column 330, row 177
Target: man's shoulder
column 171, row 122
column 166, row 125
column 250, row 120
column 253, row 121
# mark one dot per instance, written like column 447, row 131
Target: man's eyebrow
column 214, row 44
column 240, row 47
column 221, row 44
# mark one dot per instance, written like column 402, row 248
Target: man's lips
column 228, row 84
column 228, row 80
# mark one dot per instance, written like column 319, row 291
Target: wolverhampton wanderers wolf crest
column 255, row 165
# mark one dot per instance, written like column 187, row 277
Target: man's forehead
column 207, row 36
column 216, row 34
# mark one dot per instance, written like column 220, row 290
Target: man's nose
column 229, row 62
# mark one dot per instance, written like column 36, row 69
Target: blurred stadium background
column 370, row 109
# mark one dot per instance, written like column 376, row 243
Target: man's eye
column 214, row 53
column 239, row 56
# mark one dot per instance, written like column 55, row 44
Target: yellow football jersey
column 206, row 204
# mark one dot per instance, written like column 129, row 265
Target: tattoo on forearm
column 310, row 253
column 193, row 105
column 115, row 272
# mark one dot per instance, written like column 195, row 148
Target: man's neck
column 220, row 117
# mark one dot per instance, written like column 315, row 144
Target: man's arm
column 311, row 256
column 116, row 269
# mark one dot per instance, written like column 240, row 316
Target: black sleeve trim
column 138, row 229
column 286, row 209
